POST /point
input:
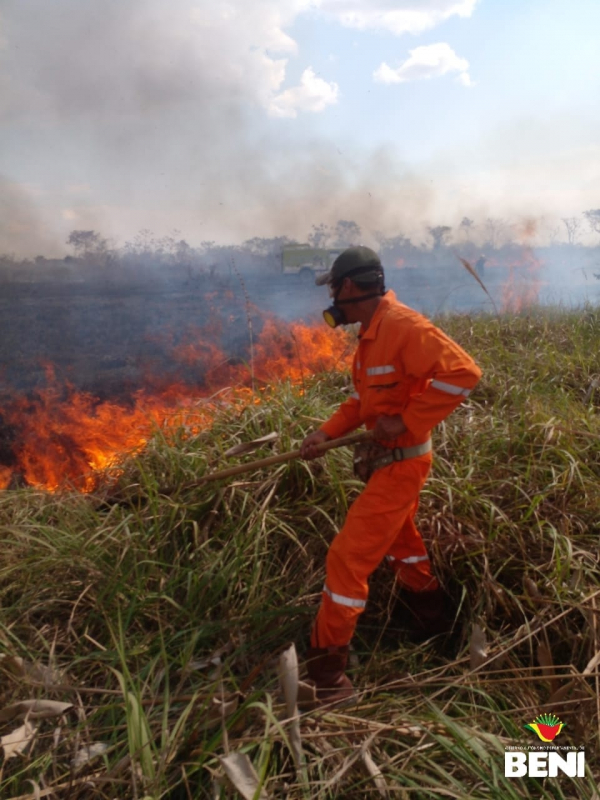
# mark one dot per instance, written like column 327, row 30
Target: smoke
column 177, row 116
column 21, row 221
column 166, row 108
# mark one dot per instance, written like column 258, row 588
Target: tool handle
column 322, row 448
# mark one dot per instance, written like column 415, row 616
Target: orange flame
column 523, row 284
column 65, row 435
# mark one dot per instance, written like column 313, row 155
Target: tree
column 144, row 243
column 593, row 219
column 439, row 234
column 319, row 236
column 346, row 233
column 398, row 250
column 398, row 242
column 572, row 224
column 261, row 246
column 495, row 231
column 466, row 226
column 86, row 242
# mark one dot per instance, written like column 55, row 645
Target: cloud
column 142, row 56
column 165, row 110
column 313, row 94
column 396, row 16
column 429, row 61
column 168, row 111
column 145, row 57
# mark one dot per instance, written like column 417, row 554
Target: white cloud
column 396, row 16
column 147, row 57
column 312, row 94
column 163, row 108
column 144, row 56
column 429, row 61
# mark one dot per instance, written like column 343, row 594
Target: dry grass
column 160, row 620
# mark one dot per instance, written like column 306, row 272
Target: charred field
column 110, row 340
column 88, row 367
column 125, row 356
column 145, row 636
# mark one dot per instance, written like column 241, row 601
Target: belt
column 402, row 454
column 369, row 456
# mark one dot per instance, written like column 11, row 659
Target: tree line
column 146, row 254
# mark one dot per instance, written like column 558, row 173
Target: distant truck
column 306, row 261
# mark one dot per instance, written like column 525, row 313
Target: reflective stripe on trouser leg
column 408, row 557
column 373, row 525
column 416, row 576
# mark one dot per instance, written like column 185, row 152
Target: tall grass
column 160, row 618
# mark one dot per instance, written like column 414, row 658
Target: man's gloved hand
column 388, row 427
column 308, row 450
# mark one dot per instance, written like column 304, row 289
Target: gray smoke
column 145, row 114
column 22, row 227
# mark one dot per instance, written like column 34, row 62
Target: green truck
column 306, row 261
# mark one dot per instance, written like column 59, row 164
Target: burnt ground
column 108, row 338
column 111, row 340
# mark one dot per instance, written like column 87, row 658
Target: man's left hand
column 388, row 427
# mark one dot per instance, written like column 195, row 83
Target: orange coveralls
column 403, row 365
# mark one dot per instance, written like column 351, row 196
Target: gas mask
column 334, row 315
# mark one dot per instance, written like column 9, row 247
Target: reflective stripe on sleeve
column 344, row 601
column 384, row 370
column 450, row 388
column 409, row 560
column 355, row 395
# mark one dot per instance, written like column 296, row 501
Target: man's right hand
column 308, row 448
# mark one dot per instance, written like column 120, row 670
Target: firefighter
column 480, row 265
column 408, row 376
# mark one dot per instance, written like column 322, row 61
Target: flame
column 65, row 436
column 523, row 284
column 527, row 229
column 5, row 476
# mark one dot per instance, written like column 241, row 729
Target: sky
column 229, row 120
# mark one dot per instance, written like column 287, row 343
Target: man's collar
column 371, row 332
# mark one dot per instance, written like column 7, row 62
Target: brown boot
column 326, row 667
column 428, row 613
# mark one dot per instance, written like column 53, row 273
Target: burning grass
column 61, row 436
column 150, row 629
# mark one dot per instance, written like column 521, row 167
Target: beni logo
column 547, row 727
column 536, row 764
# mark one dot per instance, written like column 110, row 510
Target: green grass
column 161, row 617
